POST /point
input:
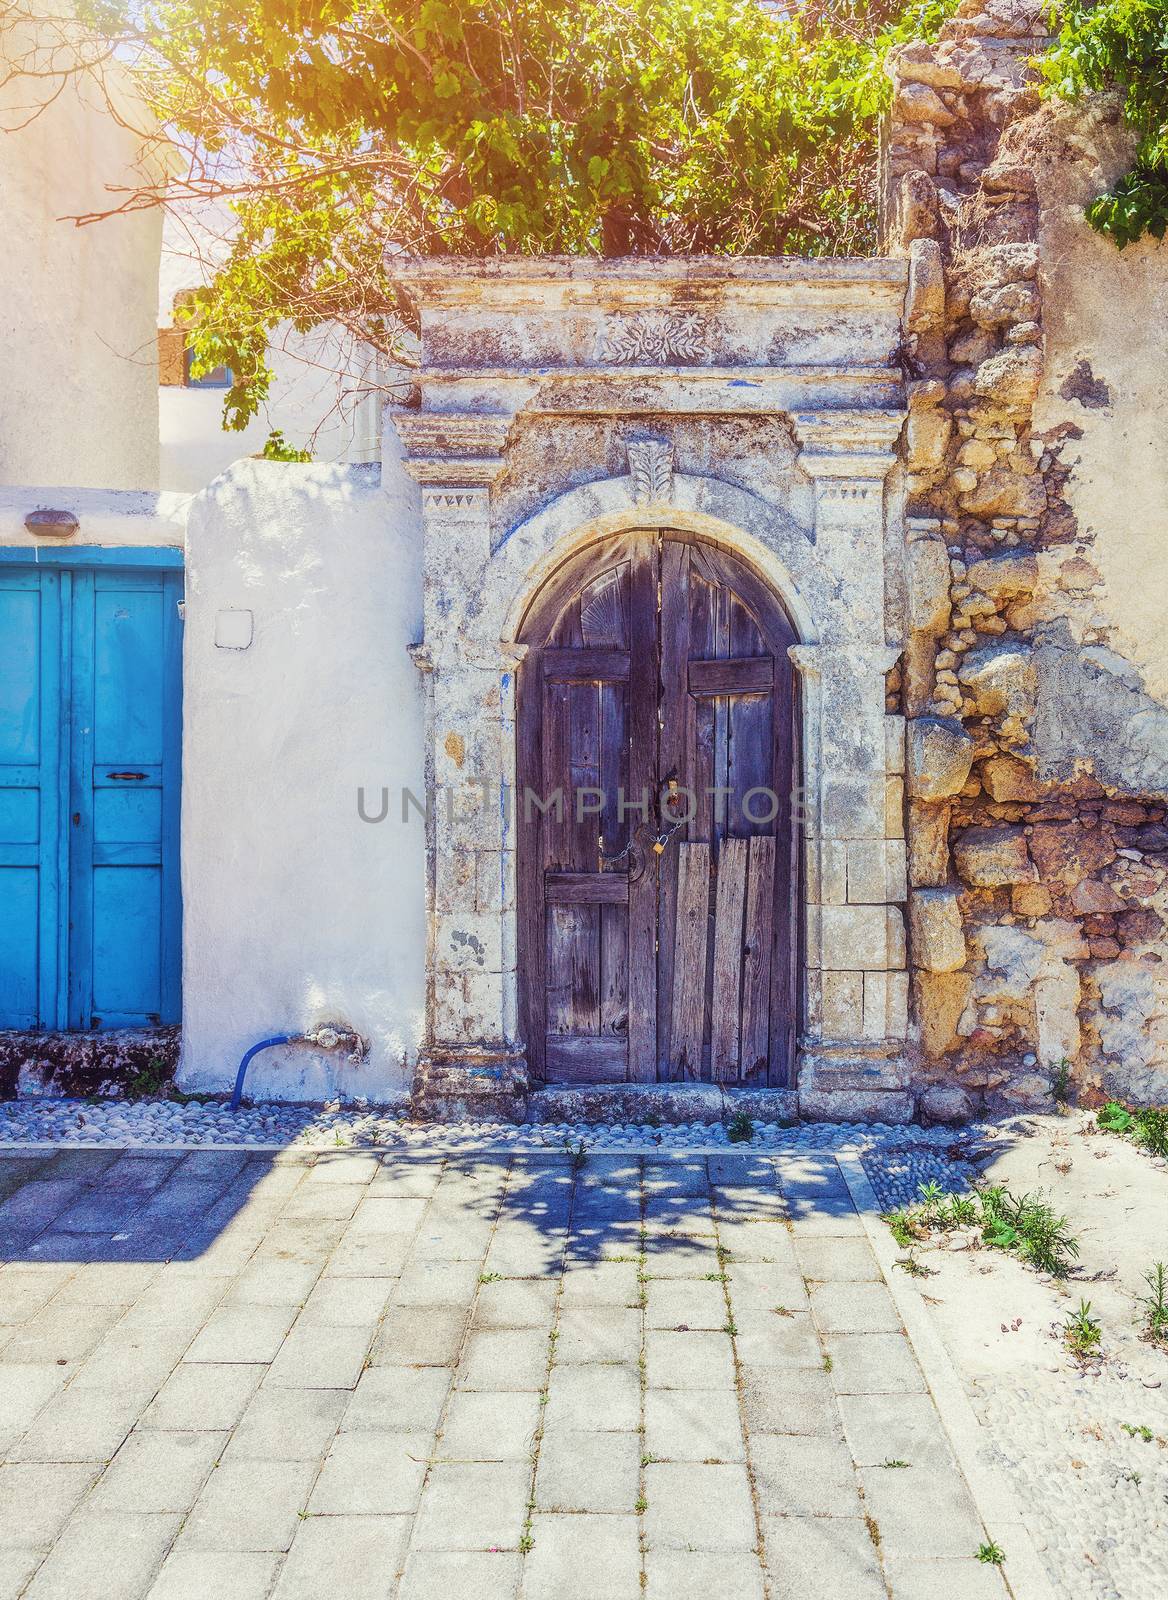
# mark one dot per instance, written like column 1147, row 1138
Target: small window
column 217, row 378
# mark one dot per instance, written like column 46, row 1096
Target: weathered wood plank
column 688, row 1012
column 756, row 957
column 586, row 888
column 581, row 1058
column 744, row 675
column 671, row 763
column 586, row 665
column 643, row 681
column 726, row 998
column 614, row 972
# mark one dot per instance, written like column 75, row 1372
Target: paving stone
column 763, row 1285
column 372, row 1255
column 16, row 1568
column 824, row 1558
column 926, row 1580
column 452, row 1239
column 405, row 1177
column 487, row 1427
column 61, row 1332
column 203, row 1395
column 397, row 1400
column 525, row 1252
column 767, row 1242
column 242, row 1333
column 104, row 1557
column 516, row 1303
column 583, row 1558
column 106, row 1283
column 594, row 1399
column 854, row 1308
column 497, row 1358
column 158, row 1472
column 23, row 1293
column 435, row 1283
column 689, row 1360
column 268, row 1282
column 837, row 1260
column 25, row 1388
column 798, row 1475
column 441, row 1574
column 682, row 1302
column 346, row 1303
column 384, row 1214
column 82, row 1425
column 37, row 1498
column 249, row 1505
column 873, row 1363
column 601, row 1283
column 324, row 1201
column 599, row 1333
column 704, row 1575
column 230, row 1575
column 766, row 1339
column 473, row 1506
column 921, row 1511
column 150, row 1357
column 413, row 1335
column 597, row 1472
column 698, row 1507
column 371, row 1474
column 344, row 1168
column 355, row 1557
column 894, row 1427
column 772, row 1407
column 676, row 1256
column 314, row 1357
column 693, row 1425
column 287, row 1425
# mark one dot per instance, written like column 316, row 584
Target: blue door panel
column 90, row 734
column 19, row 945
column 127, row 946
column 30, row 794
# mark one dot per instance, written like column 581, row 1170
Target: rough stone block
column 938, row 939
column 941, row 999
column 939, row 756
column 989, row 858
column 928, row 844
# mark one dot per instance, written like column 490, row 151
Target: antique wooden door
column 657, row 869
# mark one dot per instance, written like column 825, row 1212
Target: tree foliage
column 344, row 134
column 1121, row 45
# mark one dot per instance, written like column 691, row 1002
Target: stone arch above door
column 828, row 568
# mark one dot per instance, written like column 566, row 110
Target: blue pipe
column 264, row 1044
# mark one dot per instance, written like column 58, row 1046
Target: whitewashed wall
column 295, row 911
column 79, row 392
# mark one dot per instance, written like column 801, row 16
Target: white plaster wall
column 322, row 399
column 104, row 516
column 295, row 911
column 79, row 394
column 1109, row 308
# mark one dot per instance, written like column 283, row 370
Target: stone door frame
column 830, row 577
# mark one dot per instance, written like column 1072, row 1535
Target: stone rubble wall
column 1037, row 763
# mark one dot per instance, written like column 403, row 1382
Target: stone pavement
column 384, row 1375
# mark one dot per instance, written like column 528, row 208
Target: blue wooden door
column 90, row 733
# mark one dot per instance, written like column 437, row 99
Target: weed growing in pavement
column 1083, row 1333
column 577, row 1153
column 740, row 1128
column 894, row 1461
column 1024, row 1225
column 1146, row 1126
column 490, row 1277
column 1155, row 1303
column 914, row 1268
column 1137, row 1430
column 992, row 1554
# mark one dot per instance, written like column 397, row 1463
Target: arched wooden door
column 657, row 863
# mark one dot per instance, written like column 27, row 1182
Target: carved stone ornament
column 651, row 469
column 656, row 338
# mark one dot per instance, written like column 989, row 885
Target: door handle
column 125, row 777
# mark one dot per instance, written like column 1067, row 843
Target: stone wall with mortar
column 1035, row 674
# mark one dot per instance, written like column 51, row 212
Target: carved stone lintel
column 651, row 469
